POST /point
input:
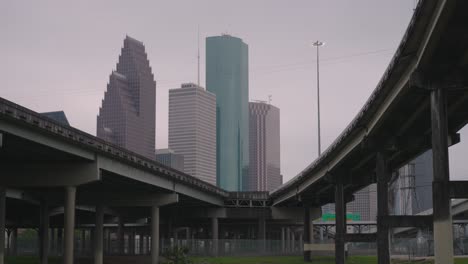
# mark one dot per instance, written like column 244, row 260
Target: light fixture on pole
column 318, row 44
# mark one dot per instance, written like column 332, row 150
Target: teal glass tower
column 227, row 76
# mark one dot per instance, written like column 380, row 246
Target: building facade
column 127, row 115
column 264, row 147
column 227, row 76
column 171, row 159
column 192, row 129
column 364, row 206
column 58, row 116
column 412, row 189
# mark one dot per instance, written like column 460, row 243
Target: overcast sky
column 57, row 55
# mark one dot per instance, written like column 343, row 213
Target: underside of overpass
column 54, row 176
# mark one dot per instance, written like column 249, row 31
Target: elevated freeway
column 421, row 102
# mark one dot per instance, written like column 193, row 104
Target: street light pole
column 318, row 44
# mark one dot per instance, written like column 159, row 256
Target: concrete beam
column 48, row 174
column 392, row 221
column 131, row 200
column 363, row 237
column 294, row 213
column 458, row 189
column 131, row 172
column 52, row 141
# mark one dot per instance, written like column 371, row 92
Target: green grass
column 250, row 260
column 281, row 260
column 298, row 260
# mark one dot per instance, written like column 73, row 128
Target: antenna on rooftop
column 269, row 99
column 198, row 57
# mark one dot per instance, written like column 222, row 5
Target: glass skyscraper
column 227, row 76
column 127, row 115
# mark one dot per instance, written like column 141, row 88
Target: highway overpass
column 420, row 103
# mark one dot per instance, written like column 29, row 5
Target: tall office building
column 364, row 206
column 171, row 159
column 192, row 129
column 412, row 190
column 127, row 116
column 227, row 76
column 264, row 146
column 58, row 116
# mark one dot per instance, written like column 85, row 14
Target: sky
column 58, row 55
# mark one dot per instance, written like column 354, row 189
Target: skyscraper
column 171, row 159
column 227, row 76
column 192, row 129
column 127, row 116
column 264, row 147
column 412, row 190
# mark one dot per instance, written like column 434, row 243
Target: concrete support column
column 44, row 233
column 83, row 242
column 443, row 229
column 53, row 241
column 288, row 239
column 262, row 233
column 154, row 234
column 307, row 232
column 214, row 234
column 99, row 235
column 283, row 244
column 383, row 238
column 2, row 224
column 69, row 226
column 14, row 242
column 59, row 241
column 140, row 243
column 120, row 237
column 340, row 222
column 293, row 241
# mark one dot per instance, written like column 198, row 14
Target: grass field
column 240, row 260
column 298, row 260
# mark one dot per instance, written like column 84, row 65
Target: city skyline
column 76, row 71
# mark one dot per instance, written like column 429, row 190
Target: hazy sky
column 57, row 55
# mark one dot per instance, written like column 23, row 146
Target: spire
column 198, row 57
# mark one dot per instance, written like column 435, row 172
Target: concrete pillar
column 14, row 242
column 2, row 224
column 99, row 235
column 293, row 241
column 83, row 242
column 340, row 222
column 283, row 244
column 120, row 237
column 383, row 238
column 69, row 226
column 59, row 241
column 140, row 243
column 288, row 239
column 262, row 233
column 44, row 233
column 443, row 229
column 214, row 234
column 301, row 242
column 307, row 232
column 154, row 234
column 53, row 241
